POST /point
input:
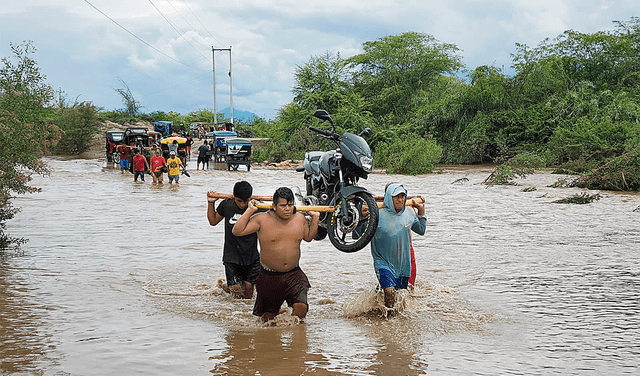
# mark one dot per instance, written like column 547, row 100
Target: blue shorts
column 124, row 164
column 174, row 177
column 388, row 280
column 138, row 173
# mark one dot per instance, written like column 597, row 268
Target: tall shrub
column 411, row 155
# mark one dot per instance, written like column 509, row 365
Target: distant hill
column 239, row 115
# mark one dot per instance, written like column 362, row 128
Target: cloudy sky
column 162, row 48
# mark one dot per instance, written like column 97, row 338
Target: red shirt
column 124, row 152
column 157, row 162
column 138, row 163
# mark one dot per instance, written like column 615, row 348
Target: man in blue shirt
column 391, row 245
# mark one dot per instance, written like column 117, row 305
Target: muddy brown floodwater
column 121, row 278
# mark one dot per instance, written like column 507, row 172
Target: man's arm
column 311, row 229
column 213, row 216
column 247, row 224
column 420, row 226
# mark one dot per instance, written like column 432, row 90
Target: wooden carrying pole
column 304, row 208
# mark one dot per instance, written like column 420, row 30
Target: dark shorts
column 237, row 273
column 275, row 288
column 203, row 159
column 140, row 174
column 387, row 280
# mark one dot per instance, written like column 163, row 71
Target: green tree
column 26, row 133
column 393, row 70
column 321, row 83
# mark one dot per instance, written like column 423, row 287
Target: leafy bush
column 79, row 124
column 411, row 155
column 579, row 198
column 505, row 174
column 620, row 173
column 527, row 160
column 576, row 167
column 474, row 143
column 116, row 116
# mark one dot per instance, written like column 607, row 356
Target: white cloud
column 83, row 52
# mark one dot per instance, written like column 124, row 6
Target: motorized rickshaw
column 164, row 127
column 136, row 137
column 154, row 138
column 237, row 152
column 218, row 145
column 139, row 138
column 181, row 149
column 113, row 139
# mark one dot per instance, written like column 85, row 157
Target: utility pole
column 215, row 108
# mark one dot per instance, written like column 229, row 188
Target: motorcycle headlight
column 366, row 162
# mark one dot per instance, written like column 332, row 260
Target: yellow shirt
column 174, row 165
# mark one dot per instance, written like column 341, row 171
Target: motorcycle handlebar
column 322, row 131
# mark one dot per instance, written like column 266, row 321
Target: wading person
column 280, row 232
column 391, row 244
column 174, row 164
column 240, row 255
column 125, row 153
column 157, row 162
column 140, row 165
column 203, row 155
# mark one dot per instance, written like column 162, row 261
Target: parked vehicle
column 331, row 178
column 154, row 138
column 198, row 130
column 218, row 144
column 137, row 137
column 237, row 152
column 113, row 139
column 164, row 127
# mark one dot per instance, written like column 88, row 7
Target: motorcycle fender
column 347, row 191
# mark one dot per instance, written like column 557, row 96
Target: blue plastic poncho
column 391, row 245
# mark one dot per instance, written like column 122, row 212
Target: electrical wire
column 179, row 33
column 194, row 15
column 191, row 26
column 138, row 38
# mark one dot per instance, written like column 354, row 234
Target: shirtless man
column 280, row 232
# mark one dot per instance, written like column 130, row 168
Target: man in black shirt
column 240, row 256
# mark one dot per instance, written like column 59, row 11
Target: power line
column 138, row 38
column 191, row 26
column 179, row 32
column 185, row 3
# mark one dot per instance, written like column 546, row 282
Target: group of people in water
column 157, row 165
column 275, row 272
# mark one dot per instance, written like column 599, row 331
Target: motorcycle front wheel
column 353, row 230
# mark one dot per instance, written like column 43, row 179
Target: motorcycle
column 331, row 179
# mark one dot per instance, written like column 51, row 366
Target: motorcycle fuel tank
column 328, row 164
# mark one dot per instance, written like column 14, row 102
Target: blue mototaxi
column 218, row 145
column 164, row 127
column 237, row 152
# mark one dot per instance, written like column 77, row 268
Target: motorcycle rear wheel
column 351, row 232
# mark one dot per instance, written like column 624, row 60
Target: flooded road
column 121, row 278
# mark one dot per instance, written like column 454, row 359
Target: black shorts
column 274, row 288
column 203, row 159
column 237, row 273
